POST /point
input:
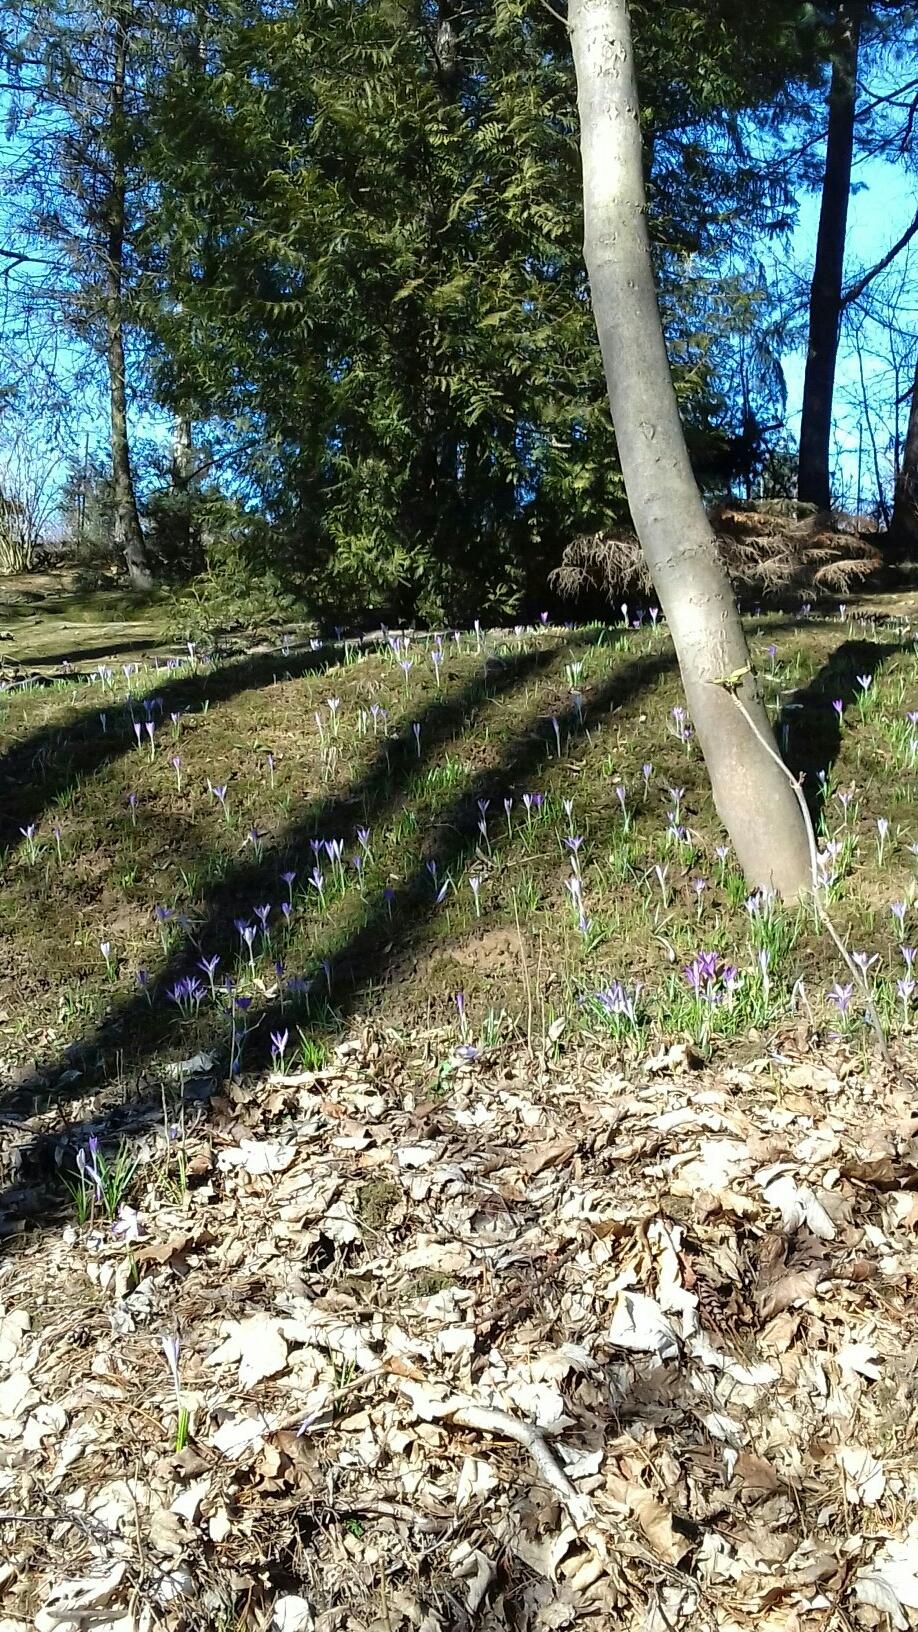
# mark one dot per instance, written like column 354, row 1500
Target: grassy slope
column 505, row 722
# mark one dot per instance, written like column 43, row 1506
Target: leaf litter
column 541, row 1345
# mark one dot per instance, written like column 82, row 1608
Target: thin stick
column 489, row 1420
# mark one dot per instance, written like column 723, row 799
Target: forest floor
column 532, row 1206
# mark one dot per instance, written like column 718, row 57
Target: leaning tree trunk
column 127, row 519
column 752, row 793
column 813, row 478
column 903, row 529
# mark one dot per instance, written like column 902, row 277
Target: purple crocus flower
column 187, row 993
column 615, row 1000
column 841, row 996
column 694, row 976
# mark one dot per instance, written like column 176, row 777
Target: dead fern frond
column 767, row 557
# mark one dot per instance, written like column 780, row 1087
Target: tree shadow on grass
column 86, row 654
column 810, row 726
column 392, row 929
column 38, row 769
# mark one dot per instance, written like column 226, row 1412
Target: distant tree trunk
column 813, row 480
column 181, row 474
column 753, row 796
column 127, row 519
column 182, row 453
column 903, row 529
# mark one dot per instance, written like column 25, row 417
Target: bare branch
column 857, row 289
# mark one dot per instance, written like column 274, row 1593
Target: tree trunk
column 753, row 796
column 182, row 453
column 903, row 529
column 813, row 478
column 128, row 531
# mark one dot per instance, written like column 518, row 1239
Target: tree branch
column 857, row 289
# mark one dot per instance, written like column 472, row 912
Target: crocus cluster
column 710, row 978
column 617, row 1002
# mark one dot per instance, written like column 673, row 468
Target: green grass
column 555, row 721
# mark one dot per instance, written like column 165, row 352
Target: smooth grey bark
column 903, row 528
column 129, row 532
column 826, row 300
column 753, row 795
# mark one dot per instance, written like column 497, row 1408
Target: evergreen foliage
column 364, row 238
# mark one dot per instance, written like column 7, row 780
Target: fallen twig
column 491, row 1420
